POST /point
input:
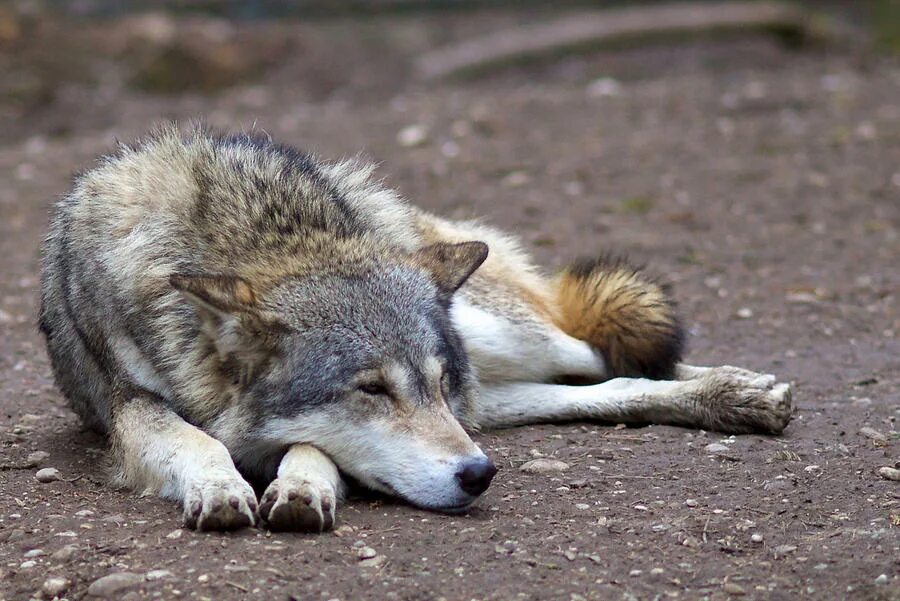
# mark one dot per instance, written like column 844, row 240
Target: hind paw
column 741, row 401
column 299, row 505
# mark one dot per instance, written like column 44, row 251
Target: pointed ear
column 451, row 265
column 216, row 294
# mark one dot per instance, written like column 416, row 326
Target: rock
column 412, row 135
column 882, row 579
column 111, row 584
column 84, row 513
column 36, row 458
column 544, row 466
column 373, row 562
column 734, row 589
column 691, row 542
column 582, row 506
column 54, row 586
column 175, row 534
column 366, row 553
column 690, row 503
column 745, row 313
column 605, row 86
column 756, row 538
column 873, row 434
column 889, row 473
column 158, row 574
column 716, row 448
column 48, row 474
column 782, row 550
column 34, row 553
column 65, row 553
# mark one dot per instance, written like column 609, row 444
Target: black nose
column 476, row 475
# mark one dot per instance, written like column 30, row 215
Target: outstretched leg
column 724, row 399
column 305, row 494
column 158, row 452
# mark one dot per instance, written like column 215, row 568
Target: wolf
column 239, row 317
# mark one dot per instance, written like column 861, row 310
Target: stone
column 889, row 473
column 109, row 585
column 716, row 448
column 54, row 586
column 873, row 434
column 544, row 466
column 48, row 474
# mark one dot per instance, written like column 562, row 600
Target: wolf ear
column 232, row 319
column 218, row 295
column 451, row 265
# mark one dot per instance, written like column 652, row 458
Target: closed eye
column 373, row 389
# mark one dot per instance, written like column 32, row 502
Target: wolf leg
column 305, row 494
column 723, row 399
column 158, row 452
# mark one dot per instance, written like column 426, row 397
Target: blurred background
column 89, row 64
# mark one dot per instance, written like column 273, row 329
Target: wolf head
column 359, row 360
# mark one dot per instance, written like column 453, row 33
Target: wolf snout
column 475, row 475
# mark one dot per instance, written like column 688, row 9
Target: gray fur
column 215, row 303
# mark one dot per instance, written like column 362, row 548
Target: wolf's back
column 188, row 202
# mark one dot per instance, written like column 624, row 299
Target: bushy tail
column 622, row 313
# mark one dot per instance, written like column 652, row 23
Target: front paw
column 299, row 505
column 224, row 503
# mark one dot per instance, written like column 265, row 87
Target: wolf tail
column 624, row 314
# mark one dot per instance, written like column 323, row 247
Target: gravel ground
column 763, row 183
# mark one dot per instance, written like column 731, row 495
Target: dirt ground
column 764, row 183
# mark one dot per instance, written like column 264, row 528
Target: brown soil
column 764, row 183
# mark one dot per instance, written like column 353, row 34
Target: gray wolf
column 229, row 310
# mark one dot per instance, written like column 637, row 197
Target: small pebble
column 635, row 573
column 745, row 313
column 873, row 434
column 783, row 550
column 543, row 466
column 366, row 553
column 65, row 553
column 175, row 534
column 34, row 553
column 48, row 474
column 109, row 585
column 756, row 538
column 889, row 473
column 691, row 503
column 37, row 458
column 716, row 448
column 27, row 564
column 158, row 574
column 582, row 506
column 882, row 579
column 413, row 135
column 734, row 589
column 54, row 586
